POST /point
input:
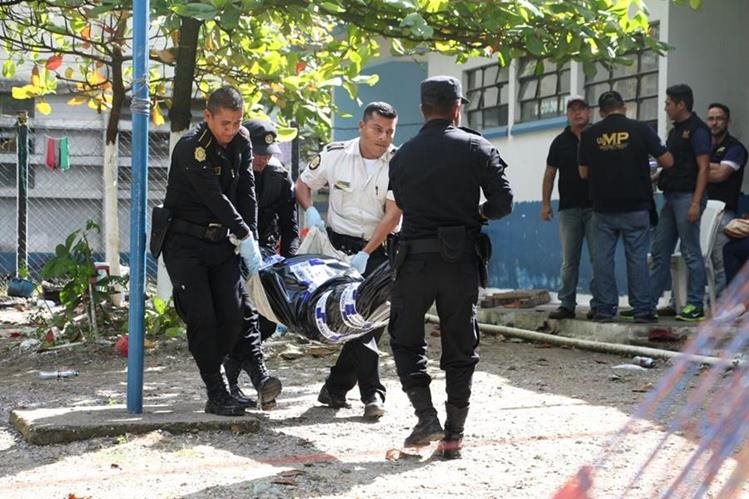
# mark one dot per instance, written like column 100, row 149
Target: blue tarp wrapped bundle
column 322, row 297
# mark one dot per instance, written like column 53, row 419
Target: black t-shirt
column 616, row 151
column 574, row 192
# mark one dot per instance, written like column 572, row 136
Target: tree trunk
column 184, row 74
column 180, row 113
column 109, row 173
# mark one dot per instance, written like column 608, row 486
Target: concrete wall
column 710, row 55
column 398, row 85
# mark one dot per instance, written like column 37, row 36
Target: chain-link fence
column 64, row 195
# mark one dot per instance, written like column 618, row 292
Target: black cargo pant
column 207, row 291
column 359, row 360
column 421, row 280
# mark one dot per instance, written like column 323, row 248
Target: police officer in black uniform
column 278, row 232
column 437, row 178
column 210, row 199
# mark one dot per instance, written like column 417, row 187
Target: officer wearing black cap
column 276, row 204
column 210, row 202
column 614, row 156
column 277, row 226
column 437, row 178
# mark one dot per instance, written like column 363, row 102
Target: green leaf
column 332, row 7
column 695, row 4
column 175, row 332
column 200, row 11
column 230, row 17
column 159, row 305
column 533, row 44
column 9, row 69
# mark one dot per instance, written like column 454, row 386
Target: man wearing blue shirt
column 725, row 176
column 683, row 188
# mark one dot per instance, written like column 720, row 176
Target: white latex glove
column 280, row 330
column 312, row 218
column 250, row 252
column 359, row 261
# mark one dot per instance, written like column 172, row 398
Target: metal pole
column 140, row 108
column 22, row 184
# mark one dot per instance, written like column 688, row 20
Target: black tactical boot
column 428, row 428
column 219, row 400
column 232, row 369
column 268, row 387
column 449, row 447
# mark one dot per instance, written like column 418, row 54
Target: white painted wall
column 711, row 55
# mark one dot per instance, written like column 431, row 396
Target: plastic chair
column 708, row 231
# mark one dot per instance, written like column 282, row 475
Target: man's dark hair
column 438, row 107
column 681, row 93
column 382, row 108
column 609, row 101
column 722, row 107
column 226, row 97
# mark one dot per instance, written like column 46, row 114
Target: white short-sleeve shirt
column 357, row 196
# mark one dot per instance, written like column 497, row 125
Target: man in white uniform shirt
column 361, row 214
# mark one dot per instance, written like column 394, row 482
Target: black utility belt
column 346, row 243
column 213, row 232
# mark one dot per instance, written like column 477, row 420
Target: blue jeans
column 717, row 257
column 673, row 226
column 634, row 229
column 575, row 225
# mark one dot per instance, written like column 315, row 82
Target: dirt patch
column 537, row 415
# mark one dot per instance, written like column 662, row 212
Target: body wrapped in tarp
column 322, row 297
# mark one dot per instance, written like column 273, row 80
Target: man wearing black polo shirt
column 614, row 156
column 685, row 198
column 575, row 213
column 725, row 175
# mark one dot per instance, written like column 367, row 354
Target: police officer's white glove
column 359, row 261
column 250, row 252
column 312, row 218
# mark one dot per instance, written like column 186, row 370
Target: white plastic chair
column 708, row 232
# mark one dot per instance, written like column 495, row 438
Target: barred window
column 487, row 89
column 542, row 87
column 637, row 83
column 11, row 106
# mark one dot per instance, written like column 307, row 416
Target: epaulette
column 205, row 137
column 278, row 169
column 470, row 130
column 334, row 146
column 243, row 134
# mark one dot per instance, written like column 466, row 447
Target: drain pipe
column 597, row 346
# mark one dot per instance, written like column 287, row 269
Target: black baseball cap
column 442, row 88
column 610, row 97
column 263, row 136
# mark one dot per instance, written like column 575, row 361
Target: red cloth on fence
column 52, row 154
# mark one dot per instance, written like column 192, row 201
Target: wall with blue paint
column 398, row 85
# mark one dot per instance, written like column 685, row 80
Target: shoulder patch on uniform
column 199, row 154
column 314, row 163
column 470, row 130
column 333, row 146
